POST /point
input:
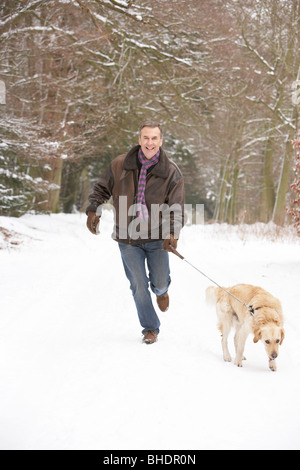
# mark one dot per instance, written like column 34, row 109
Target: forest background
column 79, row 76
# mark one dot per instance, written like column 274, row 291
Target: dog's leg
column 273, row 366
column 225, row 333
column 240, row 341
column 236, row 341
column 226, row 353
column 225, row 325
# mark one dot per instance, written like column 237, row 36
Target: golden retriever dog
column 266, row 324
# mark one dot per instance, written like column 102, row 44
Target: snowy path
column 73, row 371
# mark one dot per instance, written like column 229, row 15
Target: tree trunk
column 53, row 201
column 232, row 217
column 50, row 202
column 279, row 214
column 226, row 206
column 267, row 199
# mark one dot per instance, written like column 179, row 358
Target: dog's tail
column 211, row 295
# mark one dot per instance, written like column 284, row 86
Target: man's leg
column 133, row 257
column 159, row 267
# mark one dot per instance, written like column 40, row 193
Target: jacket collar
column 161, row 169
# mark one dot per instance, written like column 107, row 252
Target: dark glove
column 93, row 222
column 170, row 242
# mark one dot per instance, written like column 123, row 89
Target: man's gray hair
column 152, row 124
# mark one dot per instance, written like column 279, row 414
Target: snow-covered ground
column 75, row 375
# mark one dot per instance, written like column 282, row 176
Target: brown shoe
column 150, row 337
column 163, row 302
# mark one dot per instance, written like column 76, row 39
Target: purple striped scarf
column 142, row 210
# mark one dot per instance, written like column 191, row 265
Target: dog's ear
column 282, row 336
column 257, row 336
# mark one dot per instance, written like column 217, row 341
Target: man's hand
column 93, row 222
column 170, row 242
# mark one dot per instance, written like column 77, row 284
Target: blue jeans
column 134, row 259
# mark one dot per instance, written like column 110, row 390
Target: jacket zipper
column 136, row 182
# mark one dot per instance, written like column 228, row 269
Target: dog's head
column 272, row 336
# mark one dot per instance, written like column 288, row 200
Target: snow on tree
column 81, row 75
column 294, row 211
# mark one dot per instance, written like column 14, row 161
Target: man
column 148, row 197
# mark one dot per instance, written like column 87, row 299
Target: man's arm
column 102, row 192
column 175, row 215
column 176, row 199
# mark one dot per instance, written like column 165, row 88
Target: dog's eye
column 267, row 342
column 278, row 341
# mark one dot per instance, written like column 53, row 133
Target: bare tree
column 81, row 75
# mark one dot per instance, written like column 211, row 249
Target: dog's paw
column 238, row 363
column 227, row 358
column 273, row 366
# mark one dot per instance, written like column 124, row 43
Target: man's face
column 150, row 141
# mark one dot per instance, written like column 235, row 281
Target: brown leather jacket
column 164, row 198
